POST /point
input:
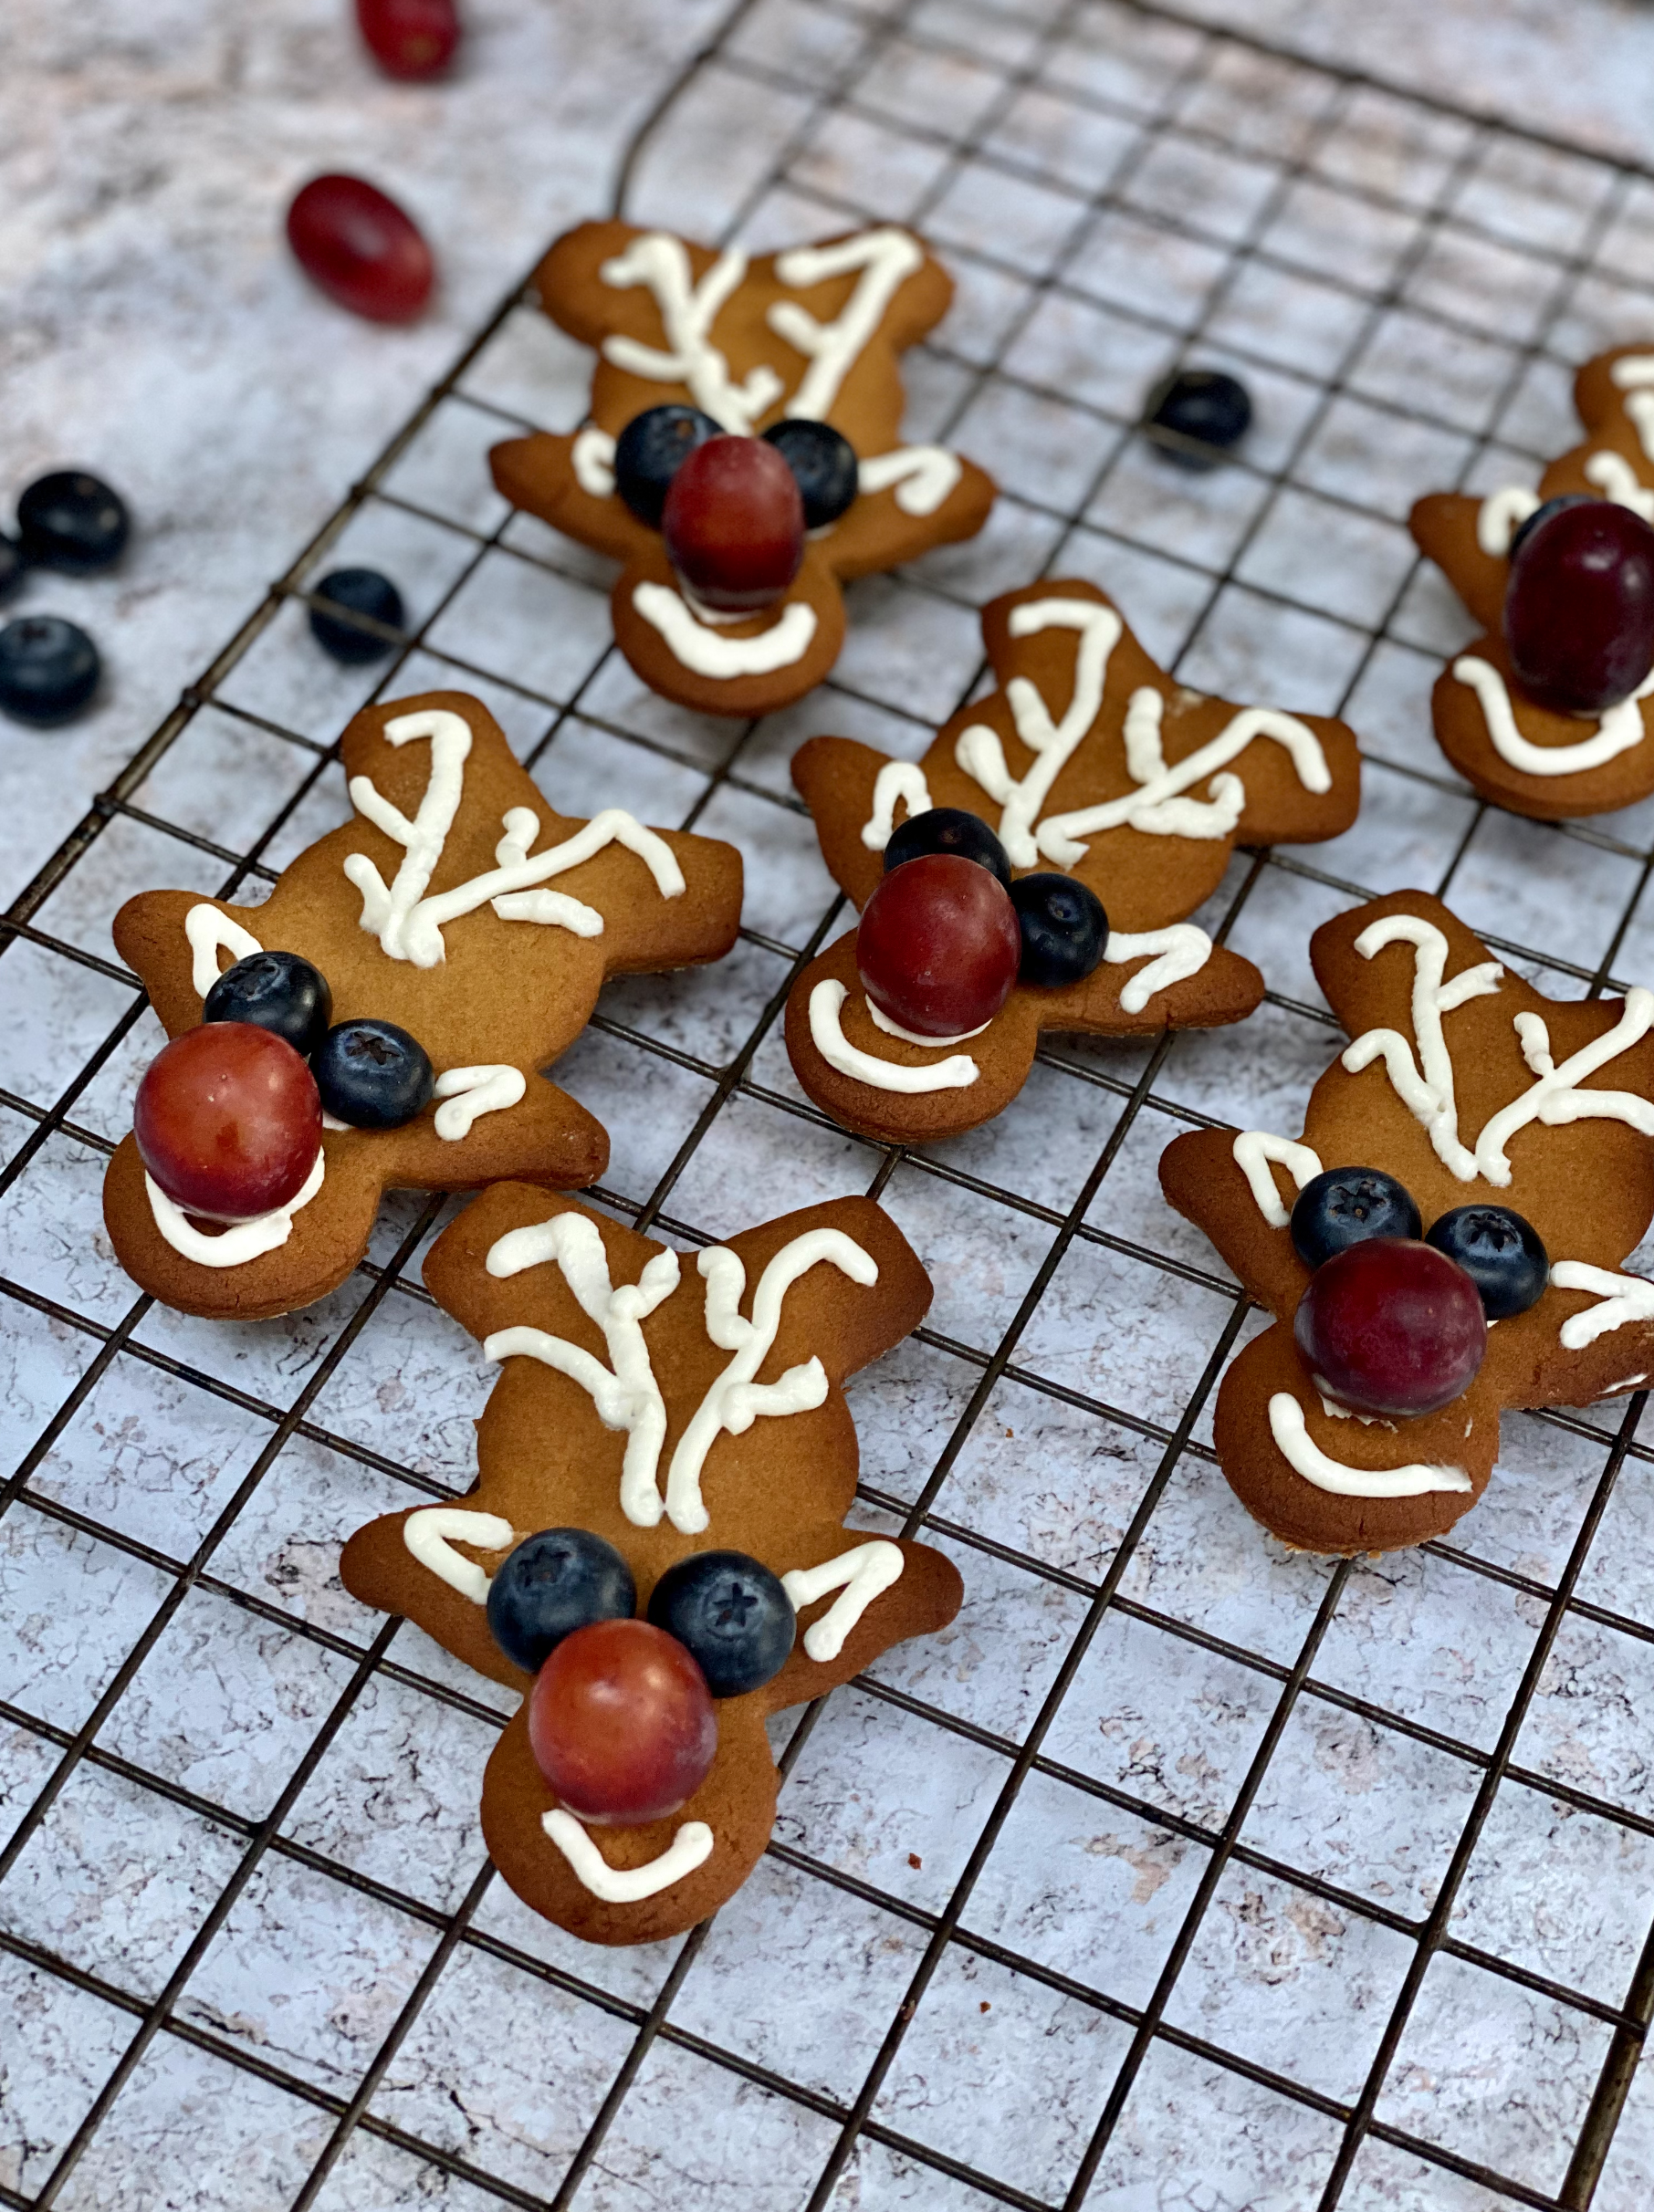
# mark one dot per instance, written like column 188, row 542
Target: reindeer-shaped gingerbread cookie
column 813, row 334
column 459, row 906
column 671, row 1407
column 1472, row 1089
column 1512, row 749
column 1089, row 762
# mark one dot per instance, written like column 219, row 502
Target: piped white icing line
column 1253, row 1149
column 208, row 930
column 923, row 477
column 592, row 458
column 903, row 779
column 471, row 1091
column 827, row 1034
column 1624, row 1298
column 432, row 1532
column 1620, row 727
column 690, row 1848
column 1617, row 480
column 980, row 753
column 1334, row 1411
column 1183, row 951
column 1501, row 515
column 1634, row 374
column 332, row 1122
column 911, row 1037
column 1306, row 1458
column 886, row 257
column 707, row 653
column 243, row 1240
column 863, row 1574
column 687, row 312
column 409, row 924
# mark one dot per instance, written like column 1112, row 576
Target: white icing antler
column 886, row 259
column 1624, row 1298
column 688, row 311
column 1429, row 1094
column 981, row 754
column 1555, row 1097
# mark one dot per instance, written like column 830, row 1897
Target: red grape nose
column 734, row 524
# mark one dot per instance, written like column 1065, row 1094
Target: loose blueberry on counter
column 277, row 991
column 355, row 244
column 72, row 521
column 48, row 669
column 731, row 1615
column 360, row 591
column 228, row 1121
column 1064, row 929
column 621, row 1722
column 551, row 1584
column 649, row 453
column 1391, row 1326
column 12, row 564
column 1199, row 408
column 373, row 1075
column 938, row 945
column 1344, row 1205
column 1579, row 607
column 947, row 829
column 1542, row 515
column 413, row 39
column 824, row 461
column 1500, row 1253
column 734, row 524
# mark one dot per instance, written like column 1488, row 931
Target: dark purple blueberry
column 12, row 564
column 1499, row 1252
column 649, row 451
column 373, row 1075
column 357, row 592
column 72, row 521
column 731, row 1615
column 1344, row 1206
column 947, row 829
column 1198, row 415
column 1542, row 515
column 551, row 1584
column 824, row 462
column 48, row 669
column 1064, row 929
column 277, row 991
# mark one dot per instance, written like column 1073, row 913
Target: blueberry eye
column 824, row 464
column 947, row 829
column 554, row 1582
column 1064, row 929
column 732, row 1616
column 1197, row 408
column 373, row 1075
column 1500, row 1253
column 1346, row 1206
column 276, row 991
column 649, row 453
column 48, row 669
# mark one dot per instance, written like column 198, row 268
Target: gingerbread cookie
column 1117, row 797
column 463, row 929
column 691, row 343
column 1532, row 745
column 668, row 1436
column 1512, row 1131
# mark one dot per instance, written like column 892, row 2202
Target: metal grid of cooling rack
column 1183, row 1870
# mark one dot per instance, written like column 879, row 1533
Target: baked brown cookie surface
column 1469, row 1087
column 460, row 906
column 816, row 332
column 670, row 1405
column 1088, row 761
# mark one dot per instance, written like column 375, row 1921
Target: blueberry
column 373, row 1075
column 48, row 669
column 1344, row 1206
column 649, row 451
column 1064, row 929
column 1499, row 1252
column 1542, row 515
column 361, row 591
column 824, row 462
column 276, row 991
column 71, row 521
column 1198, row 409
column 731, row 1615
column 947, row 829
column 557, row 1581
column 12, row 564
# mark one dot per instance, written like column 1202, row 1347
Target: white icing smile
column 1306, row 1458
column 1619, row 728
column 243, row 1240
column 707, row 652
column 690, row 1848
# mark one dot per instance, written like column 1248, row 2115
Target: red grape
column 939, row 945
column 734, row 523
column 1579, row 607
column 621, row 1722
column 411, row 38
column 228, row 1120
column 1390, row 1326
column 361, row 249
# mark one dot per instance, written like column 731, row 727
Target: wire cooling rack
column 1182, row 1870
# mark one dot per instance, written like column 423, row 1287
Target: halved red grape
column 734, row 524
column 621, row 1722
column 410, row 38
column 357, row 245
column 1579, row 606
column 228, row 1120
column 1391, row 1326
column 938, row 945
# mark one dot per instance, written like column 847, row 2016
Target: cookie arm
column 537, row 475
column 1443, row 526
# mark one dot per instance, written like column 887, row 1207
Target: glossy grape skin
column 1344, row 1205
column 72, row 520
column 1391, row 1326
column 1501, row 1252
column 228, row 1121
column 649, row 453
column 372, row 1074
column 938, row 946
column 1543, row 512
column 49, row 670
column 276, row 991
column 552, row 1583
column 1579, row 607
column 621, row 1722
column 1201, row 408
column 359, row 248
column 731, row 1615
column 413, row 39
column 947, row 829
column 734, row 524
column 823, row 460
column 1064, row 929
column 361, row 591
